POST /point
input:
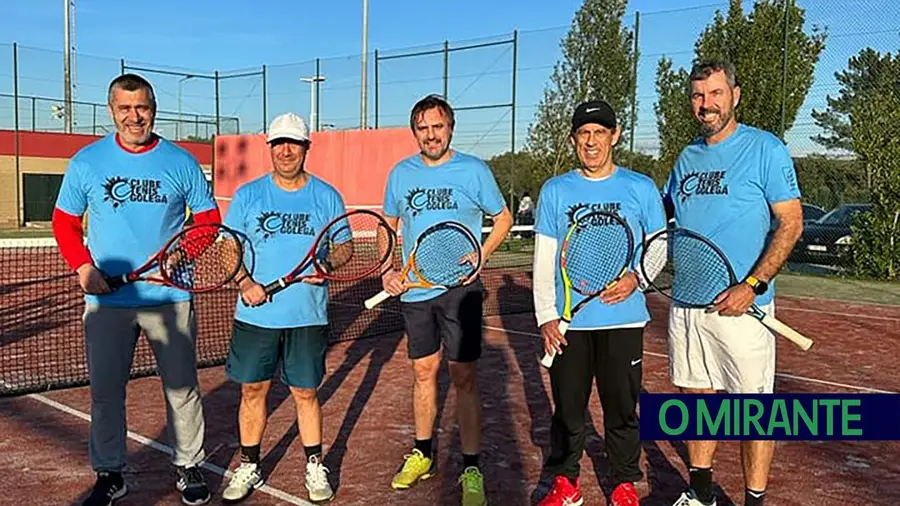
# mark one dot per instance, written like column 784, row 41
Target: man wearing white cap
column 281, row 213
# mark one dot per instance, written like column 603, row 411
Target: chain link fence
column 829, row 57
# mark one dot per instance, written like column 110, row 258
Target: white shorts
column 709, row 351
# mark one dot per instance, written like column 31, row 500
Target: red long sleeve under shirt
column 69, row 233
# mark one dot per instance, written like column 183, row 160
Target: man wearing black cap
column 604, row 341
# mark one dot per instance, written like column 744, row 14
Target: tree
column 877, row 235
column 597, row 63
column 749, row 42
column 861, row 120
column 866, row 72
column 523, row 167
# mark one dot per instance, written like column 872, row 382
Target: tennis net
column 41, row 308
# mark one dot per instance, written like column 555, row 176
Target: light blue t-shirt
column 135, row 203
column 463, row 189
column 723, row 191
column 631, row 195
column 282, row 226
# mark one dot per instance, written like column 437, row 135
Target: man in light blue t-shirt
column 281, row 213
column 135, row 188
column 604, row 342
column 435, row 185
column 726, row 185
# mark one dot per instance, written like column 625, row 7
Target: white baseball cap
column 288, row 126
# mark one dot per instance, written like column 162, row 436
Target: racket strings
column 203, row 258
column 446, row 256
column 595, row 255
column 695, row 272
column 354, row 247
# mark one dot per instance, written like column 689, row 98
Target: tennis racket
column 595, row 254
column 200, row 258
column 444, row 256
column 349, row 248
column 692, row 271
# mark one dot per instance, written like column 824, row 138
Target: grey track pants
column 111, row 334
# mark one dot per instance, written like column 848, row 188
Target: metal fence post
column 16, row 134
column 512, row 136
column 376, row 89
column 264, row 95
column 446, row 70
column 217, row 102
column 634, row 78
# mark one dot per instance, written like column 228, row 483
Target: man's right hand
column 253, row 293
column 392, row 283
column 91, row 280
column 553, row 340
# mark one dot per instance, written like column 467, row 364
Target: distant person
column 136, row 189
column 291, row 329
column 726, row 185
column 605, row 340
column 437, row 319
column 525, row 212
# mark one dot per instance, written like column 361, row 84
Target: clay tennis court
column 367, row 408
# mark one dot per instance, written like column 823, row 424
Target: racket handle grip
column 547, row 361
column 275, row 287
column 377, row 299
column 115, row 282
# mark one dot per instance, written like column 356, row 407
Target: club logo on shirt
column 431, row 199
column 120, row 190
column 581, row 209
column 702, row 183
column 270, row 223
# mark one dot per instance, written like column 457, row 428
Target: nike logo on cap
column 592, row 109
column 636, row 362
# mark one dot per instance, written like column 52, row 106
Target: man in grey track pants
column 136, row 189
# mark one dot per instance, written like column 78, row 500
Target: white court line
column 274, row 492
column 783, row 375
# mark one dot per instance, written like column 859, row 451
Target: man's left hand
column 471, row 259
column 735, row 301
column 621, row 290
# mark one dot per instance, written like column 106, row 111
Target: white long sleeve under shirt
column 544, row 284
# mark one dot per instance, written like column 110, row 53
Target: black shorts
column 452, row 319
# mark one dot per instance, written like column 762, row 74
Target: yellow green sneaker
column 472, row 487
column 417, row 467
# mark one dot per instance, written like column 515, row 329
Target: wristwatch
column 759, row 286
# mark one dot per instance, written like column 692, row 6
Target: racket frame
column 310, row 258
column 779, row 327
column 569, row 312
column 116, row 282
column 410, row 265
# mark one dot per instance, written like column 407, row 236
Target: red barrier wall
column 56, row 145
column 356, row 162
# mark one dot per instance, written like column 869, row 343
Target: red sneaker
column 624, row 495
column 563, row 493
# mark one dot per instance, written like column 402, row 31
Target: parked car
column 812, row 213
column 826, row 240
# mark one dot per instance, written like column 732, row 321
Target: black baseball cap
column 594, row 111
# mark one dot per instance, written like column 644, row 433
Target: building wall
column 49, row 153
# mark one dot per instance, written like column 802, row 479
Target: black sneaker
column 192, row 485
column 109, row 487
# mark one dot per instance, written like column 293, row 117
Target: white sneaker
column 689, row 499
column 317, row 481
column 246, row 479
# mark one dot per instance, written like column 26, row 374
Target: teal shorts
column 255, row 352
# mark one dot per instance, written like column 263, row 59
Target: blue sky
column 197, row 37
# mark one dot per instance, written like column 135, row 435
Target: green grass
column 844, row 289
